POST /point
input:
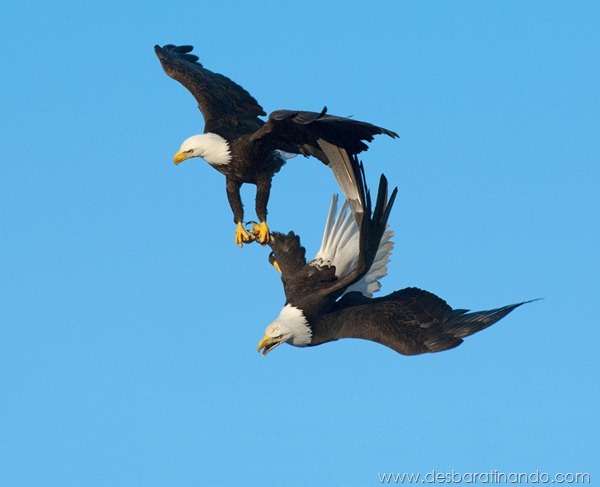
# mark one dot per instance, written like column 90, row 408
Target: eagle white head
column 213, row 148
column 290, row 327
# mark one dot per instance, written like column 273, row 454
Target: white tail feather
column 339, row 248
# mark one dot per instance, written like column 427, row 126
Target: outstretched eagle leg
column 263, row 191
column 235, row 201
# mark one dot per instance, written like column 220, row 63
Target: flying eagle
column 330, row 297
column 245, row 148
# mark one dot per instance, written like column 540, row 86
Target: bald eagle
column 330, row 297
column 246, row 149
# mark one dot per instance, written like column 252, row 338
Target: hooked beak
column 274, row 262
column 181, row 156
column 267, row 343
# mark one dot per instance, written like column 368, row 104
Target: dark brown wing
column 410, row 321
column 225, row 105
column 299, row 279
column 298, row 132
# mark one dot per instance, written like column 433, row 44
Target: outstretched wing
column 410, row 321
column 299, row 279
column 299, row 132
column 224, row 104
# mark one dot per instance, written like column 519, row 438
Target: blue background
column 129, row 319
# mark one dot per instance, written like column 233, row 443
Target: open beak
column 180, row 157
column 267, row 344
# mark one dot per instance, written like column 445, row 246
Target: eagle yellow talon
column 263, row 233
column 254, row 230
column 260, row 232
column 242, row 236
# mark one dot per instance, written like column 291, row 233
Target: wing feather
column 299, row 132
column 410, row 321
column 223, row 103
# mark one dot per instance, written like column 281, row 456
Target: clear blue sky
column 129, row 320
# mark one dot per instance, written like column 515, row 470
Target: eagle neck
column 215, row 149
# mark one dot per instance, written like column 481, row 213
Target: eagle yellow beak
column 274, row 262
column 267, row 343
column 181, row 156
